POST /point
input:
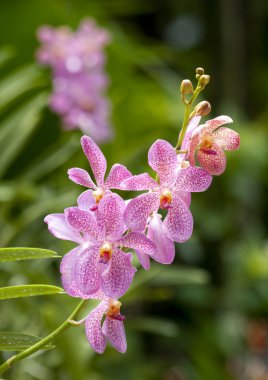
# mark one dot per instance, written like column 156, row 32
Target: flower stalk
column 39, row 345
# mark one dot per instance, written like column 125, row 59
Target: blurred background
column 205, row 316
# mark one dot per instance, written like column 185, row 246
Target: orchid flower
column 208, row 143
column 98, row 263
column 172, row 193
column 98, row 164
column 112, row 329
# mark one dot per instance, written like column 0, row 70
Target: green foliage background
column 186, row 321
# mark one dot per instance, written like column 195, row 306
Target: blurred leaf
column 157, row 326
column 28, row 291
column 10, row 341
column 14, row 254
column 6, row 53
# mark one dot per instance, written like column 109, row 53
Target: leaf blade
column 23, row 253
column 28, row 291
column 10, row 341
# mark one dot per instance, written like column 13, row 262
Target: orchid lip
column 106, row 251
column 165, row 199
column 98, row 195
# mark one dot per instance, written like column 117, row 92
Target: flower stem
column 39, row 345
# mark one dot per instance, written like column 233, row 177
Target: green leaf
column 10, row 341
column 14, row 254
column 28, row 291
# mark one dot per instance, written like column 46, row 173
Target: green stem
column 38, row 346
column 187, row 111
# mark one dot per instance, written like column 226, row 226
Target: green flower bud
column 186, row 87
column 202, row 108
column 204, row 80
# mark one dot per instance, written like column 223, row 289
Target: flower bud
column 186, row 87
column 199, row 71
column 202, row 108
column 204, row 80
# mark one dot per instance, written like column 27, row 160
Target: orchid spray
column 105, row 227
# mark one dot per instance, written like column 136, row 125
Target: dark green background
column 188, row 321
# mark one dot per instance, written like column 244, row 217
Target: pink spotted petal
column 115, row 333
column 194, row 145
column 186, row 197
column 86, row 271
column 163, row 159
column 94, row 334
column 110, row 216
column 227, row 138
column 116, row 176
column 212, row 124
column 178, row 224
column 67, row 272
column 193, row 179
column 81, row 177
column 118, row 275
column 165, row 252
column 139, row 209
column 214, row 163
column 59, row 227
column 96, row 159
column 193, row 124
column 86, row 201
column 138, row 241
column 139, row 182
column 144, row 260
column 82, row 220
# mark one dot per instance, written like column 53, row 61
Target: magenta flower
column 112, row 329
column 208, row 143
column 98, row 264
column 171, row 194
column 79, row 80
column 98, row 164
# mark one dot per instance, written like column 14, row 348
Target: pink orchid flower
column 208, row 143
column 98, row 164
column 172, row 193
column 112, row 329
column 98, row 263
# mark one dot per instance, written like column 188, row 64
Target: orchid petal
column 93, row 328
column 193, row 124
column 115, row 332
column 144, row 260
column 116, row 176
column 96, row 159
column 138, row 241
column 214, row 163
column 178, row 224
column 163, row 159
column 165, row 252
column 86, row 200
column 118, row 275
column 217, row 122
column 193, row 179
column 82, row 220
column 81, row 177
column 227, row 138
column 86, row 271
column 139, row 209
column 186, row 197
column 110, row 216
column 139, row 182
column 67, row 272
column 58, row 226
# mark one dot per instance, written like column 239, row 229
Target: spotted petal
column 110, row 216
column 81, row 177
column 193, row 179
column 139, row 182
column 144, row 260
column 163, row 159
column 86, row 271
column 94, row 333
column 193, row 124
column 67, row 272
column 227, row 138
column 116, row 176
column 96, row 159
column 165, row 252
column 118, row 275
column 82, row 220
column 213, row 161
column 139, row 209
column 217, row 122
column 138, row 241
column 115, row 333
column 178, row 224
column 59, row 227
